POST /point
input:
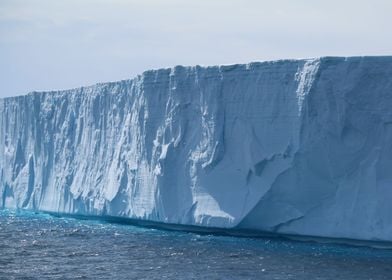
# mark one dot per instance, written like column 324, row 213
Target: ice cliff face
column 296, row 146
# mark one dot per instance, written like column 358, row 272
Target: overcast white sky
column 50, row 44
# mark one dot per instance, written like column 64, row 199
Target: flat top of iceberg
column 223, row 67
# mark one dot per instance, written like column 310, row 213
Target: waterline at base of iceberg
column 234, row 232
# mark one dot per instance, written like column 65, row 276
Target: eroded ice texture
column 293, row 146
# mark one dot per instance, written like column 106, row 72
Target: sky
column 57, row 44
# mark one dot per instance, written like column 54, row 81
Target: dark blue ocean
column 40, row 246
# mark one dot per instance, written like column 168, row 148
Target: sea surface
column 40, row 246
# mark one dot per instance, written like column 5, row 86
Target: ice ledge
column 291, row 146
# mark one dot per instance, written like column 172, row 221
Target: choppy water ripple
column 36, row 246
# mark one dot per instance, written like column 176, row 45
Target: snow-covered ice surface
column 292, row 146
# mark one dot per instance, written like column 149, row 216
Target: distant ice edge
column 298, row 147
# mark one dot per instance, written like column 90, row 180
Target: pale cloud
column 49, row 44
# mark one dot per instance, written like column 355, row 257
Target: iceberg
column 300, row 147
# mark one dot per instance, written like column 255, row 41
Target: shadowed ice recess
column 298, row 147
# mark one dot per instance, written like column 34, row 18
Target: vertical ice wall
column 293, row 146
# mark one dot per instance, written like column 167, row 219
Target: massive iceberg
column 298, row 147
